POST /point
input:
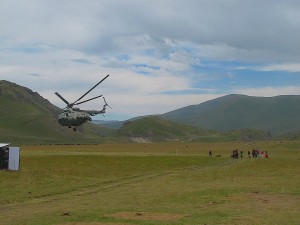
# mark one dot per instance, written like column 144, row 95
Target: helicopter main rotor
column 74, row 103
column 70, row 105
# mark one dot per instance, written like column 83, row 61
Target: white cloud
column 149, row 48
column 269, row 91
column 290, row 67
column 111, row 26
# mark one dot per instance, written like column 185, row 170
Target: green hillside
column 292, row 136
column 156, row 128
column 278, row 115
column 26, row 117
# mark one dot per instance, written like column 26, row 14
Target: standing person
column 210, row 153
column 249, row 154
column 241, row 154
column 266, row 154
column 253, row 153
column 235, row 154
column 256, row 153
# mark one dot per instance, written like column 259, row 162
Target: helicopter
column 73, row 117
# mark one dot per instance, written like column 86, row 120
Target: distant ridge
column 278, row 114
column 26, row 117
column 156, row 128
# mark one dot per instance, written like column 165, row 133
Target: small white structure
column 9, row 157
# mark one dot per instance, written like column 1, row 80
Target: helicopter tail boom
column 94, row 112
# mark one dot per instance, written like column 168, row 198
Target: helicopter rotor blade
column 106, row 103
column 90, row 90
column 62, row 98
column 78, row 103
column 29, row 121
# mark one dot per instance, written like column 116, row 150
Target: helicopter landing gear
column 74, row 128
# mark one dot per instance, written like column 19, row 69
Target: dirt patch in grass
column 286, row 201
column 148, row 216
column 92, row 223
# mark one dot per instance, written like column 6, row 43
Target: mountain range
column 26, row 117
column 278, row 115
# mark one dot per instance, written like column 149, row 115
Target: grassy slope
column 92, row 183
column 157, row 128
column 26, row 117
column 20, row 105
column 277, row 114
column 293, row 136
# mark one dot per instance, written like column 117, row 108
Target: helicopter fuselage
column 73, row 118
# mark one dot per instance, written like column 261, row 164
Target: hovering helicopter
column 74, row 117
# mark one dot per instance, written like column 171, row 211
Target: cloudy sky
column 161, row 54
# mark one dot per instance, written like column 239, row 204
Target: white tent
column 13, row 156
column 4, row 144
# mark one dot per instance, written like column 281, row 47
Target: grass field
column 152, row 184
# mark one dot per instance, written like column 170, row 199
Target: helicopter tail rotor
column 106, row 104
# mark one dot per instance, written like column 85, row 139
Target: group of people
column 239, row 154
column 254, row 154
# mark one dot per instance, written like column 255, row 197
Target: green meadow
column 152, row 184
